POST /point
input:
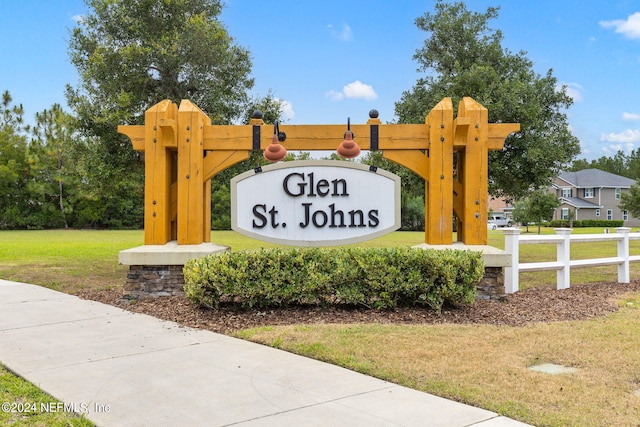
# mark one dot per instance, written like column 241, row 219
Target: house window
column 625, row 216
column 618, row 193
column 566, row 193
column 597, row 212
column 564, row 214
column 609, row 214
column 589, row 193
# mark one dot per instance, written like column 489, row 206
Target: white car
column 496, row 221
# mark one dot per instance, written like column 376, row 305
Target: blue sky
column 329, row 60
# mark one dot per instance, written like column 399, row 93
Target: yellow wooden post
column 471, row 131
column 474, row 137
column 156, row 138
column 192, row 200
column 439, row 184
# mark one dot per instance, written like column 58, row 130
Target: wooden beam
column 414, row 160
column 217, row 161
column 316, row 137
column 191, row 197
column 135, row 134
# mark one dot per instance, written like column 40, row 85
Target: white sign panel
column 315, row 203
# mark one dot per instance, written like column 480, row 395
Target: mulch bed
column 532, row 305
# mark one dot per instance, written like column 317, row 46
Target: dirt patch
column 533, row 305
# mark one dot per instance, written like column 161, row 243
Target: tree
column 221, row 208
column 412, row 198
column 463, row 56
column 539, row 207
column 14, row 198
column 51, row 173
column 631, row 201
column 521, row 213
column 131, row 54
column 622, row 164
column 578, row 165
column 632, row 165
column 271, row 108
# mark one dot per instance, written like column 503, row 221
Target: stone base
column 156, row 270
column 491, row 285
column 145, row 281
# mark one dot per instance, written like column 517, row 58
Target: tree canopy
column 538, row 207
column 463, row 56
column 13, row 164
column 631, row 201
column 132, row 54
column 623, row 164
column 52, row 177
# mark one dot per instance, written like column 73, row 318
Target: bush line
column 382, row 278
column 559, row 223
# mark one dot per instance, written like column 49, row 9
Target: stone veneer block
column 156, row 270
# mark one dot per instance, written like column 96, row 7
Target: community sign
column 315, row 203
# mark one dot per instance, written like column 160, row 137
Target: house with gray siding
column 592, row 194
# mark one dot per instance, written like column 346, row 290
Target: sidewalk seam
column 324, row 402
column 124, row 313
column 496, row 416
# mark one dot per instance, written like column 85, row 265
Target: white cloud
column 630, row 27
column 355, row 90
column 628, row 136
column 344, row 33
column 614, row 148
column 334, row 96
column 287, row 109
column 630, row 117
column 574, row 90
column 359, row 90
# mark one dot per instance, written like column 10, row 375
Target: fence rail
column 563, row 263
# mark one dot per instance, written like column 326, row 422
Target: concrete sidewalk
column 127, row 369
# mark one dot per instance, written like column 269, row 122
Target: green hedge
column 375, row 277
column 586, row 223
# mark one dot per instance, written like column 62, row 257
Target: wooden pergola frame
column 183, row 151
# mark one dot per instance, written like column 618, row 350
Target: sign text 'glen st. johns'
column 315, row 203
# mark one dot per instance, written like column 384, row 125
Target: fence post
column 563, row 276
column 512, row 246
column 623, row 252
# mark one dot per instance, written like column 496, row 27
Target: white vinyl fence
column 563, row 264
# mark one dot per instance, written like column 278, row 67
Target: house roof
column 577, row 202
column 588, row 178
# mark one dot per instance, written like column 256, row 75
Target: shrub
column 602, row 223
column 557, row 223
column 376, row 277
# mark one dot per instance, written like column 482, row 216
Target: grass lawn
column 478, row 364
column 30, row 406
